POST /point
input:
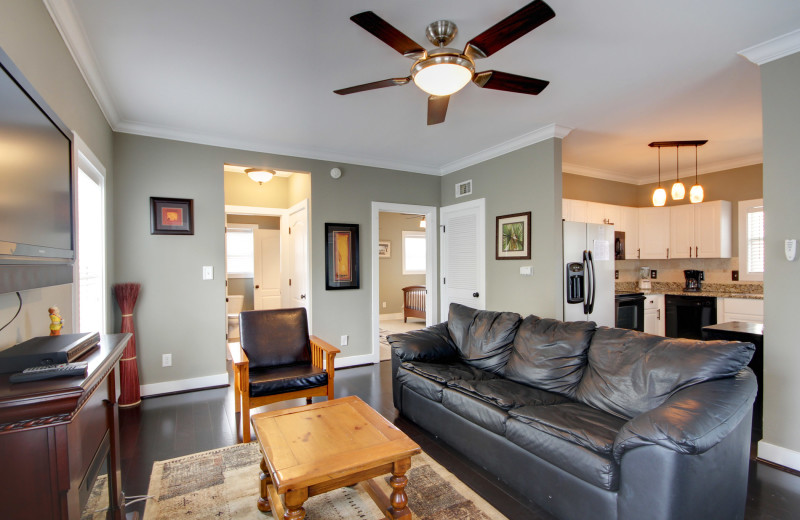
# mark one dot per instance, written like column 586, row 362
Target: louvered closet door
column 463, row 259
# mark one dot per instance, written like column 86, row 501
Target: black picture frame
column 513, row 237
column 341, row 256
column 169, row 216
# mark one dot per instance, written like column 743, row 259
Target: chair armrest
column 320, row 346
column 694, row 419
column 429, row 344
column 238, row 355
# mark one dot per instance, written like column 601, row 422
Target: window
column 751, row 240
column 414, row 257
column 239, row 251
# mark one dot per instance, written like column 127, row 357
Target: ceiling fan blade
column 392, row 82
column 509, row 29
column 388, row 34
column 496, row 80
column 437, row 109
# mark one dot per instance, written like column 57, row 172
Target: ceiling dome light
column 659, row 197
column 260, row 175
column 444, row 73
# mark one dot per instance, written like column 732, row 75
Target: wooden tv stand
column 57, row 434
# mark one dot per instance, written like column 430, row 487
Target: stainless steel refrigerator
column 588, row 262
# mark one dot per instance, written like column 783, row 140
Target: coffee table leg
column 263, row 501
column 294, row 499
column 398, row 498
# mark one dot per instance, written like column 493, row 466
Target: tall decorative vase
column 126, row 294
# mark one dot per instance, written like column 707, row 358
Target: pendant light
column 660, row 195
column 678, row 190
column 696, row 193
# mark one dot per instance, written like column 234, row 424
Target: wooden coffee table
column 312, row 449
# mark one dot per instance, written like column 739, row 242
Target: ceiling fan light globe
column 696, row 194
column 659, row 197
column 678, row 191
column 443, row 73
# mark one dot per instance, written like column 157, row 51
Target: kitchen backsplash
column 717, row 274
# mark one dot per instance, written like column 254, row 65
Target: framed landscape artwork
column 514, row 236
column 171, row 216
column 384, row 249
column 341, row 256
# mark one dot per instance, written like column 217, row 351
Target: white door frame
column 480, row 205
column 431, row 272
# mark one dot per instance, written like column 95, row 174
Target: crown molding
column 773, row 49
column 598, row 173
column 536, row 136
column 69, row 26
column 161, row 132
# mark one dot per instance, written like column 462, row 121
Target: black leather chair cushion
column 631, row 372
column 425, row 386
column 483, row 338
column 475, row 410
column 593, row 467
column 429, row 344
column 574, row 422
column 550, row 354
column 446, row 372
column 275, row 337
column 506, row 394
column 278, row 380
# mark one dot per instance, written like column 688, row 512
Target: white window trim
column 744, row 207
column 86, row 160
column 416, row 234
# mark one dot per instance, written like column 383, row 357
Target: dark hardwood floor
column 175, row 425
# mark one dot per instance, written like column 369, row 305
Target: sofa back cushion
column 483, row 338
column 550, row 354
column 632, row 372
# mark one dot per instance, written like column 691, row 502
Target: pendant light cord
column 659, row 166
column 695, row 164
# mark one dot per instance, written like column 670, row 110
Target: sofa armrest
column 694, row 419
column 429, row 344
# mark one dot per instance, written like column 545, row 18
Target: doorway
column 404, row 285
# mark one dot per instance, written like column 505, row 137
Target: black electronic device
column 36, row 230
column 46, row 350
column 575, row 292
column 50, row 371
column 693, row 279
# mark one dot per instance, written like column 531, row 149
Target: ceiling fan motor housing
column 441, row 32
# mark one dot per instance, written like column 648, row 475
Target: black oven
column 687, row 315
column 629, row 311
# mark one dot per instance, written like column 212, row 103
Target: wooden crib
column 413, row 302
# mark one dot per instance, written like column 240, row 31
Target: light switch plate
column 208, row 272
column 526, row 270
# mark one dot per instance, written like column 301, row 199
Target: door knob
column 258, row 287
column 475, row 295
column 302, row 296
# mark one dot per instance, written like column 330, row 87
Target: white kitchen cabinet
column 653, row 233
column 599, row 213
column 681, row 231
column 700, row 230
column 574, row 210
column 629, row 223
column 740, row 309
column 654, row 314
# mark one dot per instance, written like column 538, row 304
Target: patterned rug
column 386, row 349
column 223, row 484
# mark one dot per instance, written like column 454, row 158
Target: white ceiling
column 260, row 75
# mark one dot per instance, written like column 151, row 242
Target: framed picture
column 171, row 216
column 514, row 236
column 341, row 256
column 384, row 249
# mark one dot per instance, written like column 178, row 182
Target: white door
column 463, row 260
column 266, row 269
column 296, row 259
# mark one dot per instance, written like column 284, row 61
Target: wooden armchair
column 277, row 360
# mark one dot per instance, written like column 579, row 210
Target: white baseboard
column 779, row 455
column 393, row 316
column 351, row 361
column 183, row 385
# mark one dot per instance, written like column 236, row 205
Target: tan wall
column 240, row 190
column 579, row 187
column 392, row 279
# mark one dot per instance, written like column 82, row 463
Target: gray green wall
column 781, row 112
column 528, row 179
column 392, row 279
column 178, row 312
column 29, row 37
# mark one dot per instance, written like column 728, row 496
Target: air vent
column 464, row 188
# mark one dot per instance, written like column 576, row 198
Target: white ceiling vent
column 464, row 188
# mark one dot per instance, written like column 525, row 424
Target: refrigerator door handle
column 587, row 281
column 592, row 282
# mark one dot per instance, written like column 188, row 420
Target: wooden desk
column 56, row 435
column 312, row 449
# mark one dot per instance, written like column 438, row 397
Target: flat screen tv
column 36, row 225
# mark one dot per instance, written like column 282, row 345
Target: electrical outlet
column 616, row 274
column 345, row 339
column 653, row 274
column 166, row 360
column 384, row 305
column 735, row 276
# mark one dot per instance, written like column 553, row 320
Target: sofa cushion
column 478, row 411
column 505, row 394
column 446, row 372
column 595, row 468
column 574, row 422
column 483, row 338
column 550, row 354
column 279, row 380
column 631, row 372
column 423, row 385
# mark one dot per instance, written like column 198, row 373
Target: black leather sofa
column 586, row 422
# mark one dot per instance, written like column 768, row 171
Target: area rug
column 386, row 349
column 223, row 484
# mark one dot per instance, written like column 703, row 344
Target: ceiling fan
column 443, row 71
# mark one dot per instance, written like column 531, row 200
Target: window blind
column 755, row 240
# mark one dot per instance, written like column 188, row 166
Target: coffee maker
column 693, row 279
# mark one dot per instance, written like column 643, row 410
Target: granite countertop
column 747, row 291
